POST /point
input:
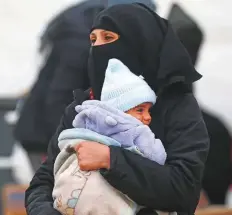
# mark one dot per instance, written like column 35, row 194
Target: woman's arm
column 175, row 186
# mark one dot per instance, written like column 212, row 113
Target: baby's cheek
column 138, row 116
column 135, row 114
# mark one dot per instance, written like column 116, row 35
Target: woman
column 147, row 45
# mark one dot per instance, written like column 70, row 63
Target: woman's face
column 100, row 37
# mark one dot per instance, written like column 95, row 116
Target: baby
column 121, row 119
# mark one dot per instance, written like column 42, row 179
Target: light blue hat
column 124, row 90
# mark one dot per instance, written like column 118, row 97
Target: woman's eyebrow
column 105, row 31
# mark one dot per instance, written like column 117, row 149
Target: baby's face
column 142, row 112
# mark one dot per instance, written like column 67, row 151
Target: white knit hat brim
column 131, row 99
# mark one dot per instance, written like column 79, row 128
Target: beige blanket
column 79, row 192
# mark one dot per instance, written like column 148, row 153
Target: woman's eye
column 93, row 41
column 109, row 37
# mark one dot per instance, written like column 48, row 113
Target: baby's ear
column 109, row 120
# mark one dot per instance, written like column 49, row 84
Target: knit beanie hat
column 124, row 90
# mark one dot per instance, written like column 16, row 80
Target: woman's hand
column 93, row 156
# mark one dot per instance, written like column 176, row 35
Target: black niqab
column 147, row 45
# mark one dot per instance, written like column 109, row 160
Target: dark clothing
column 188, row 31
column 218, row 168
column 64, row 71
column 154, row 52
column 176, row 119
column 178, row 122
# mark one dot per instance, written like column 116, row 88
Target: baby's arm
column 149, row 146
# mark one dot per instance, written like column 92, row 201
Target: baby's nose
column 147, row 118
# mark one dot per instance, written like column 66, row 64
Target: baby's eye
column 140, row 110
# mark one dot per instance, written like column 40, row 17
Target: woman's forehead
column 100, row 30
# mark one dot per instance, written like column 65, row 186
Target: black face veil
column 147, row 45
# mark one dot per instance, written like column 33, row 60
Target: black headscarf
column 147, row 45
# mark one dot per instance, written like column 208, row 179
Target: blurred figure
column 65, row 46
column 218, row 169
